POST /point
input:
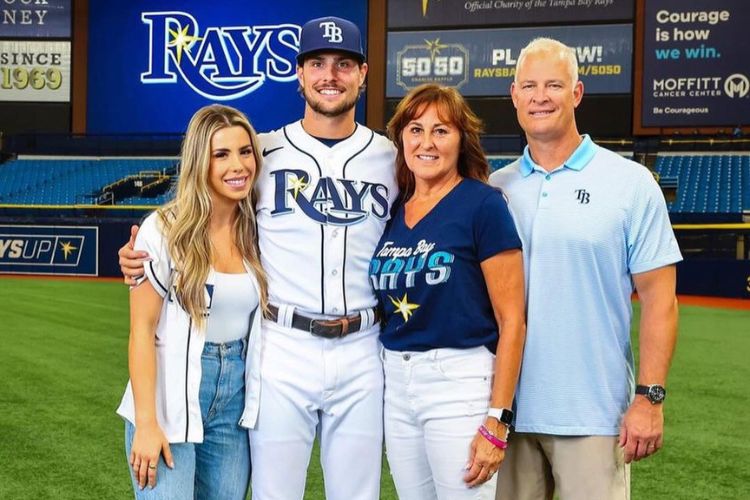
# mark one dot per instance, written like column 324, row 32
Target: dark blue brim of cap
column 327, row 48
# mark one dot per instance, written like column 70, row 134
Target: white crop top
column 232, row 300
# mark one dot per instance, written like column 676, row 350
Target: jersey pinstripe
column 321, row 212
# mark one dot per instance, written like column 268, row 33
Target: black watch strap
column 654, row 392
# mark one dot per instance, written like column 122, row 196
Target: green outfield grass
column 63, row 366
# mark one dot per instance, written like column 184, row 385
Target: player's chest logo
column 328, row 201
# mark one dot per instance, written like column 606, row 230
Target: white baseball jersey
column 321, row 212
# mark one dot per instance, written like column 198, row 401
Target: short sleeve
column 494, row 229
column 151, row 239
column 651, row 241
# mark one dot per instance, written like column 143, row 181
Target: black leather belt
column 326, row 328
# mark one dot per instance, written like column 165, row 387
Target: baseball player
column 324, row 196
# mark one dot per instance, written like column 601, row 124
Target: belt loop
column 366, row 319
column 286, row 313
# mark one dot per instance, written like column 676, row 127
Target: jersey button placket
column 334, row 246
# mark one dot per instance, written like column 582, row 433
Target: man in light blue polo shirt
column 594, row 226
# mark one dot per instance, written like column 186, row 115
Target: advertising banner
column 35, row 18
column 418, row 14
column 696, row 70
column 482, row 62
column 179, row 55
column 65, row 250
column 34, row 71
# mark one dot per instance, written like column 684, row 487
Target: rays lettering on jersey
column 341, row 202
column 391, row 262
column 221, row 63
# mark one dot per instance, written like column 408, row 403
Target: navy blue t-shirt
column 428, row 278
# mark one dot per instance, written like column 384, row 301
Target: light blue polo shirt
column 586, row 227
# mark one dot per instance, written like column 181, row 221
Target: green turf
column 63, row 366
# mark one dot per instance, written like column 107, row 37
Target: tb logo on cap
column 331, row 32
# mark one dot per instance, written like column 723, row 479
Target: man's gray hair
column 554, row 47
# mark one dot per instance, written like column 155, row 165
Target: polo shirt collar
column 579, row 159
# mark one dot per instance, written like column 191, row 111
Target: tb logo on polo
column 343, row 202
column 332, row 32
column 583, row 196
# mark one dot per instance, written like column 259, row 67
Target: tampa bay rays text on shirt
column 409, row 262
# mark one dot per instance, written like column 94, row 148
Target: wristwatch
column 503, row 415
column 654, row 392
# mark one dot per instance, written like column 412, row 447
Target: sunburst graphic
column 67, row 249
column 298, row 184
column 434, row 46
column 182, row 41
column 403, row 306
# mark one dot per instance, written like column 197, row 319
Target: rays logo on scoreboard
column 220, row 63
column 432, row 62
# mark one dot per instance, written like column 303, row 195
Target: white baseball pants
column 332, row 386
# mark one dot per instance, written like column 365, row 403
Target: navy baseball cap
column 330, row 34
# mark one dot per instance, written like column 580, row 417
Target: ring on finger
column 152, row 466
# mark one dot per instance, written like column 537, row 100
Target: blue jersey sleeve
column 494, row 229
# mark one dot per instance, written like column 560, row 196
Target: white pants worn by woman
column 434, row 403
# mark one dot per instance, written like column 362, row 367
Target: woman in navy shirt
column 449, row 275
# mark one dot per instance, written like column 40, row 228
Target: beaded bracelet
column 492, row 438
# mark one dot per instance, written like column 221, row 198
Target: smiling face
column 431, row 147
column 545, row 97
column 232, row 166
column 330, row 82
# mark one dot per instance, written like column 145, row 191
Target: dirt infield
column 718, row 302
column 691, row 300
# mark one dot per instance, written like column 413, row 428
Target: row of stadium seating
column 68, row 182
column 715, row 184
column 707, row 184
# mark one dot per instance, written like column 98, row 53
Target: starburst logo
column 434, row 46
column 182, row 41
column 67, row 248
column 298, row 184
column 403, row 307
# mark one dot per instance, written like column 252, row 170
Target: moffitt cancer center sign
column 696, row 71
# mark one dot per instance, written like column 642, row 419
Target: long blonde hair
column 451, row 108
column 185, row 219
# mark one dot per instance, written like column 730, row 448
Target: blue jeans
column 219, row 467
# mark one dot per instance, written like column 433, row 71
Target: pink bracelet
column 492, row 438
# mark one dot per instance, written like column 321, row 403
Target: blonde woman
column 192, row 316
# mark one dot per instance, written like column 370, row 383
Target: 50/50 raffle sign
column 34, row 71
